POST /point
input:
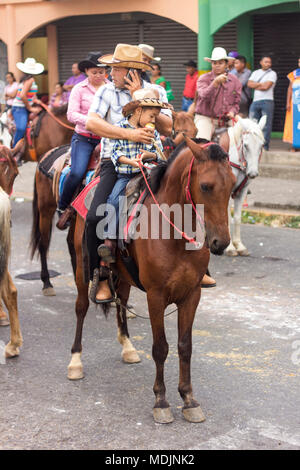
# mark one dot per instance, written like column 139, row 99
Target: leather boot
column 65, row 217
column 104, row 293
column 208, row 281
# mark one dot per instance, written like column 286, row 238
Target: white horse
column 245, row 149
column 5, row 135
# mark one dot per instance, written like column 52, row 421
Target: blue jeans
column 186, row 103
column 20, row 115
column 113, row 200
column 81, row 151
column 261, row 108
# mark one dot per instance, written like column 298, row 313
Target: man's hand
column 220, row 79
column 134, row 83
column 230, row 115
column 143, row 135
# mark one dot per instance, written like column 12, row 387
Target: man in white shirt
column 263, row 81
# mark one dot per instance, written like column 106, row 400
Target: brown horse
column 55, row 130
column 168, row 271
column 8, row 291
column 43, row 208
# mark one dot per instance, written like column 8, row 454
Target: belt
column 89, row 136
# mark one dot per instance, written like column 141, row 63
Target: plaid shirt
column 129, row 149
column 108, row 103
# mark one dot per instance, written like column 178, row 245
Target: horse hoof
column 231, row 253
column 49, row 292
column 244, row 252
column 163, row 415
column 11, row 351
column 75, row 372
column 131, row 357
column 193, row 415
column 4, row 322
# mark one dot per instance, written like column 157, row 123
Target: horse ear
column 262, row 121
column 196, row 149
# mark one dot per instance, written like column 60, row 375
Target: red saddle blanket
column 83, row 201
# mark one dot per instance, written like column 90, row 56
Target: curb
column 271, row 217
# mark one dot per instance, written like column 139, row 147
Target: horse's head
column 183, row 125
column 8, row 169
column 250, row 140
column 211, row 185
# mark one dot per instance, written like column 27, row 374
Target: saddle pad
column 84, row 199
column 49, row 158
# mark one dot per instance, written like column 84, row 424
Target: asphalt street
column 245, row 365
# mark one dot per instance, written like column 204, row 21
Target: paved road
column 245, row 368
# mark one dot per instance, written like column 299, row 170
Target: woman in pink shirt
column 83, row 142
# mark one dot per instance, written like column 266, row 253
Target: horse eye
column 206, row 187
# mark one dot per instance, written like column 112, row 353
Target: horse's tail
column 35, row 228
column 5, row 240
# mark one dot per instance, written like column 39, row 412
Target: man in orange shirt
column 190, row 85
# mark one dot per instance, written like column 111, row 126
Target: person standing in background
column 10, row 91
column 232, row 55
column 263, row 81
column 59, row 97
column 294, row 79
column 243, row 73
column 190, row 85
column 77, row 77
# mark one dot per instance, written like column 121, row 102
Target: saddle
column 56, row 165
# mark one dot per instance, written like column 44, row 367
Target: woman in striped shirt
column 26, row 95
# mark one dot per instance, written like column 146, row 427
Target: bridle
column 188, row 197
column 242, row 166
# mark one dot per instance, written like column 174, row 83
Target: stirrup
column 105, row 253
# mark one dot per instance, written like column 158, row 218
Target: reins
column 188, row 196
column 47, row 109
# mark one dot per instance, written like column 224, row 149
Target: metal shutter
column 173, row 42
column 3, row 61
column 77, row 36
column 277, row 35
column 227, row 37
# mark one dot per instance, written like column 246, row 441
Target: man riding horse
column 106, row 111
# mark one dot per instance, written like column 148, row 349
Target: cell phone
column 133, row 70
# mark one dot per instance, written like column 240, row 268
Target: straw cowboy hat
column 144, row 97
column 149, row 52
column 30, row 66
column 90, row 61
column 218, row 53
column 127, row 56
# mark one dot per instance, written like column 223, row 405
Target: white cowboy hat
column 149, row 52
column 218, row 53
column 125, row 55
column 30, row 66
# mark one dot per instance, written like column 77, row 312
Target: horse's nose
column 252, row 174
column 218, row 246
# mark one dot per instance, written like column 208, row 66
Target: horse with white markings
column 5, row 134
column 245, row 148
column 8, row 291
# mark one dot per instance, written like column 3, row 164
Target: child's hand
column 148, row 156
column 136, row 161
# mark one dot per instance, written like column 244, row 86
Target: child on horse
column 127, row 156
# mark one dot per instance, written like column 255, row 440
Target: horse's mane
column 215, row 153
column 251, row 125
column 60, row 110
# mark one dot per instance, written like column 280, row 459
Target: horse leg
column 230, row 250
column 3, row 317
column 236, row 237
column 75, row 367
column 44, row 206
column 129, row 353
column 161, row 411
column 9, row 293
column 186, row 313
column 70, row 242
